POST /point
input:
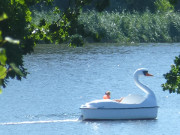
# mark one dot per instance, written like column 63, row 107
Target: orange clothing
column 106, row 97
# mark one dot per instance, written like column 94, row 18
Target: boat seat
column 133, row 99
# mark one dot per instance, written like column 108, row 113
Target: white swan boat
column 131, row 107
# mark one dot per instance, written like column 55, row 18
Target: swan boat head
column 142, row 72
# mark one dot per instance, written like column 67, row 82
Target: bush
column 76, row 40
column 133, row 27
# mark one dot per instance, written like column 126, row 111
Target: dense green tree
column 173, row 77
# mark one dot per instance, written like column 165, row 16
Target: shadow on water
column 121, row 121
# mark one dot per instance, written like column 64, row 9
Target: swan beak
column 147, row 74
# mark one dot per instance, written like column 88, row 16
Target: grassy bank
column 125, row 27
column 136, row 27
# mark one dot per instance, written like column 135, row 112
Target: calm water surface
column 61, row 79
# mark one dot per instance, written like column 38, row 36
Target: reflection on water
column 39, row 122
column 63, row 78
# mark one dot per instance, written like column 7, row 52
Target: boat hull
column 119, row 113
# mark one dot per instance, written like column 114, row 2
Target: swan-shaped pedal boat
column 131, row 107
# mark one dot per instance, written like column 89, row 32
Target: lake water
column 61, row 79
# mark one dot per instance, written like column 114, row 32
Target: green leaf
column 16, row 69
column 1, row 37
column 28, row 16
column 56, row 10
column 3, row 57
column 3, row 17
column 21, row 2
column 3, row 72
column 0, row 86
column 12, row 2
column 0, row 90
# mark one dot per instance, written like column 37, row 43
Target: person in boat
column 107, row 96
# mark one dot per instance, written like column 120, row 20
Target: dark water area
column 61, row 79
